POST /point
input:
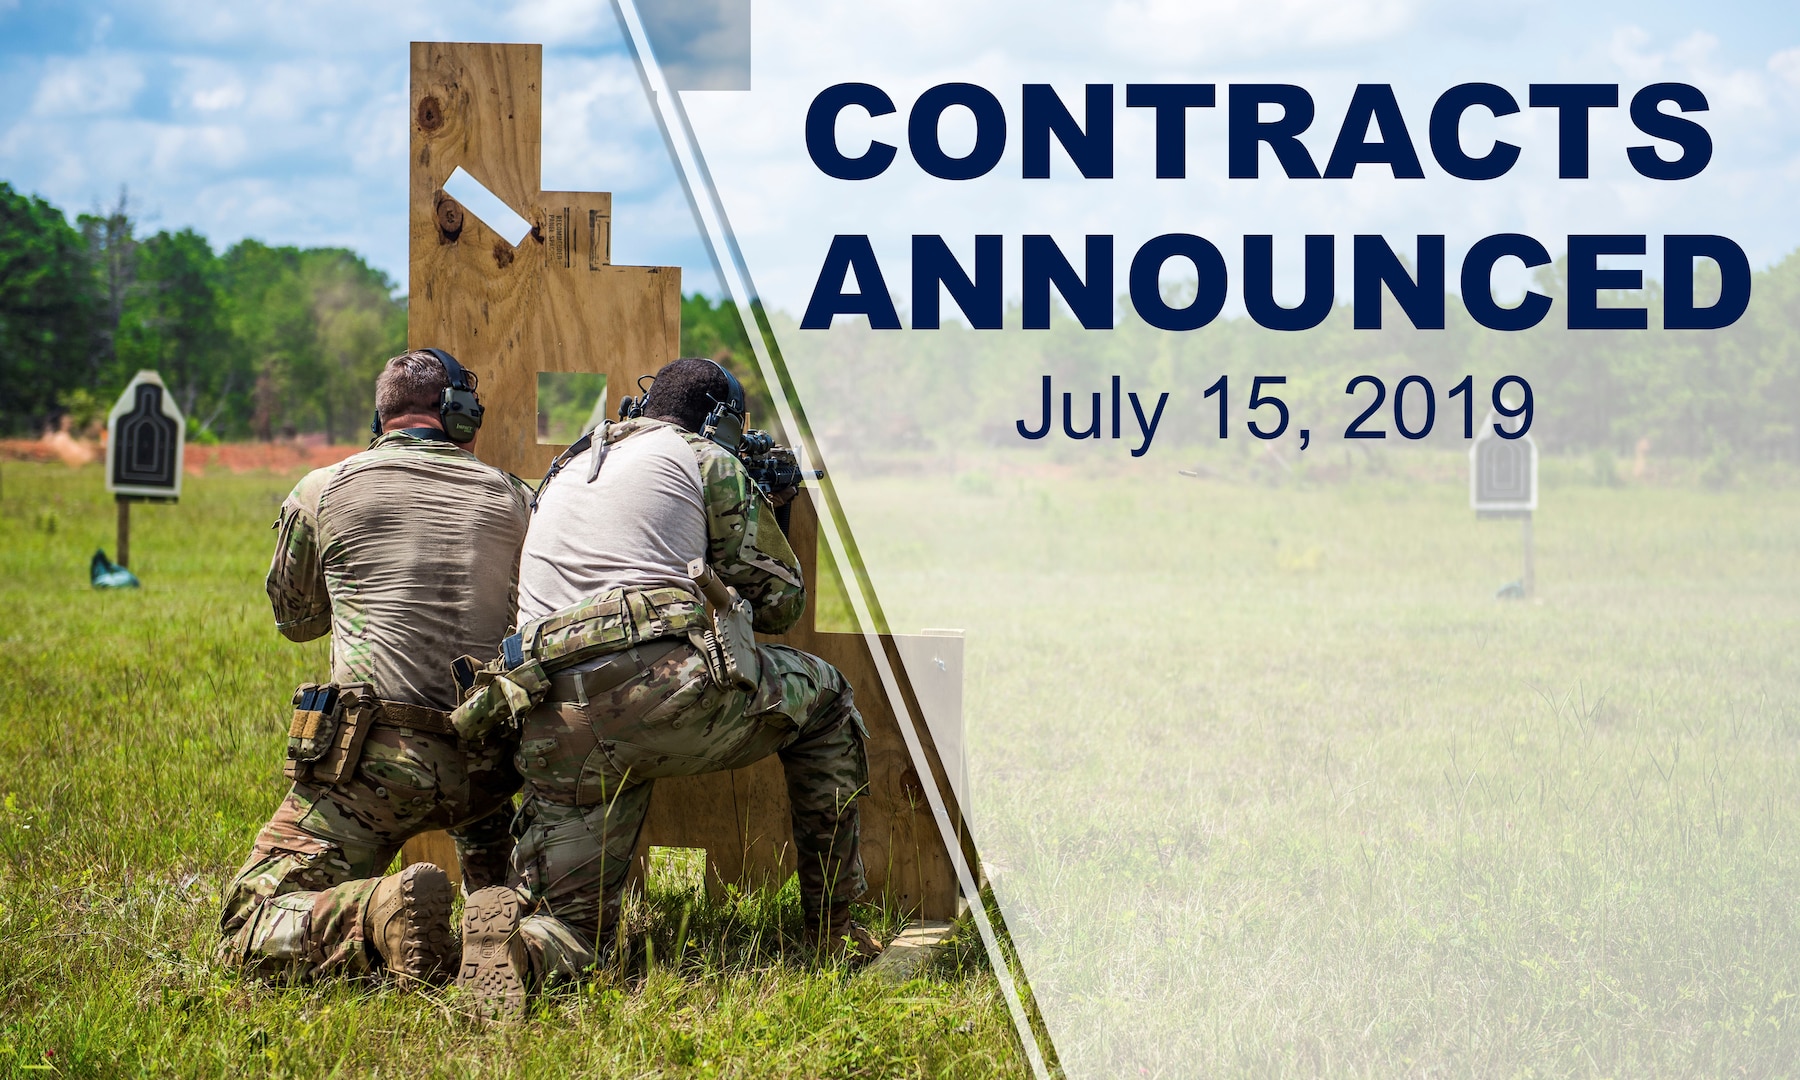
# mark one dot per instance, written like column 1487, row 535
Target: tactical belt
column 638, row 625
column 581, row 687
column 610, row 622
column 417, row 717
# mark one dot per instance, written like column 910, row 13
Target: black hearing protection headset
column 723, row 425
column 630, row 408
column 461, row 409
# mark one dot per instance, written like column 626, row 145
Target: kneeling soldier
column 634, row 682
column 407, row 554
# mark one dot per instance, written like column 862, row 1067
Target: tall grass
column 1269, row 783
column 140, row 742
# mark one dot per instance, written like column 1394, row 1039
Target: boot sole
column 427, row 950
column 493, row 955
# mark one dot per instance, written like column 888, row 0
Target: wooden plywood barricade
column 742, row 818
column 555, row 303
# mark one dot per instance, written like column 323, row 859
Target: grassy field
column 140, row 742
column 1269, row 783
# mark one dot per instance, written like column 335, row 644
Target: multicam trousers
column 296, row 908
column 589, row 769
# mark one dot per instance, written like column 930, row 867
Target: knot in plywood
column 430, row 114
column 449, row 216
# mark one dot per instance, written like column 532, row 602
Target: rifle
column 776, row 471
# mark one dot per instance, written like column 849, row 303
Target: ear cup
column 725, row 423
column 724, row 426
column 734, row 394
column 461, row 410
column 461, row 414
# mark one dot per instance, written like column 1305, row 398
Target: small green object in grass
column 106, row 574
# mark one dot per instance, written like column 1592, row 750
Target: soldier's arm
column 296, row 582
column 746, row 548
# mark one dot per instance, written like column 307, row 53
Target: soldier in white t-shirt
column 607, row 565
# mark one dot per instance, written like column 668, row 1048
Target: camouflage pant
column 296, row 908
column 589, row 769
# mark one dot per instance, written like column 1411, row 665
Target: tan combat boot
column 495, row 966
column 408, row 923
column 843, row 939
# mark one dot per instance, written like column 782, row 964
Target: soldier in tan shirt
column 407, row 554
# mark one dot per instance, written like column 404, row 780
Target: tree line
column 1730, row 394
column 260, row 342
column 255, row 342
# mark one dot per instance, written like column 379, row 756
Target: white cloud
column 784, row 212
column 565, row 21
column 1692, row 59
column 252, row 117
column 375, row 137
column 1211, row 30
column 95, row 83
column 1785, row 65
column 258, row 92
column 213, row 99
column 600, row 134
column 1627, row 52
column 335, row 27
column 179, row 149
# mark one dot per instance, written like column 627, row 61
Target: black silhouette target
column 1503, row 472
column 145, row 453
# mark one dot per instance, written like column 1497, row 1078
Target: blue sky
column 1745, row 59
column 287, row 122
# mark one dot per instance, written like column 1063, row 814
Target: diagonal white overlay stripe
column 728, row 261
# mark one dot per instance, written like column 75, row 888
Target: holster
column 495, row 693
column 326, row 736
column 729, row 648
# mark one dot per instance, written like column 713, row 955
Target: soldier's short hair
column 685, row 390
column 413, row 382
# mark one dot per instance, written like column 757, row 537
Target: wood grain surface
column 555, row 303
